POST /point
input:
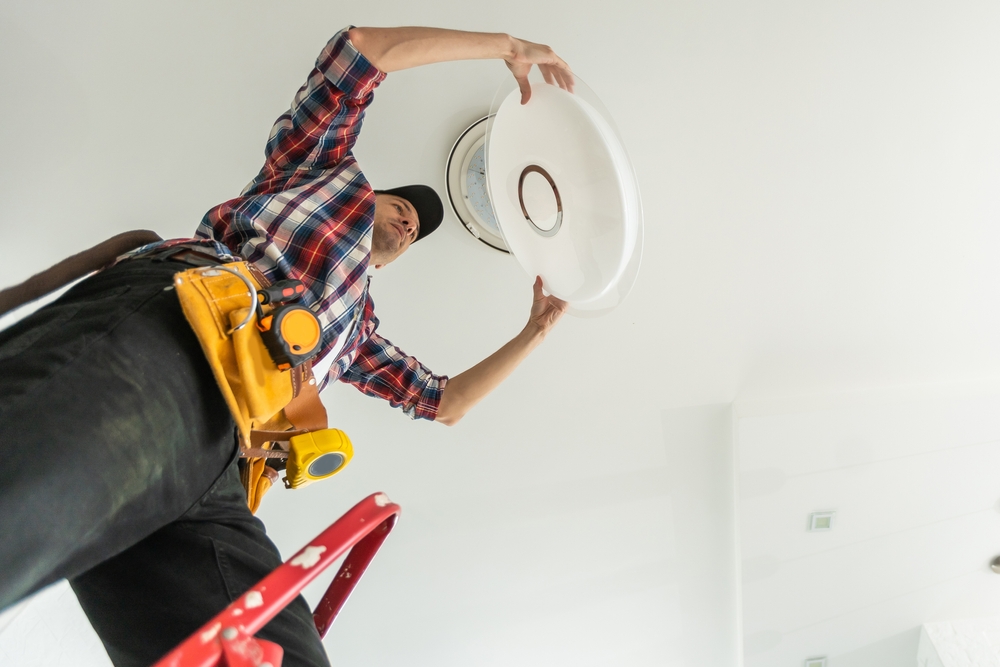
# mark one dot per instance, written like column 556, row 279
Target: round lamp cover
column 564, row 193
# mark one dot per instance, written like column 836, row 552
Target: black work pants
column 118, row 471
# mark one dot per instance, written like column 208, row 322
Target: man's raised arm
column 466, row 389
column 393, row 49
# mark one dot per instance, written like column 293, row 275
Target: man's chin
column 384, row 247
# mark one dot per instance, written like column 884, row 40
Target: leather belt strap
column 71, row 268
column 261, row 453
column 306, row 411
column 258, row 438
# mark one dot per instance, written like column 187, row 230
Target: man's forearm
column 466, row 389
column 392, row 49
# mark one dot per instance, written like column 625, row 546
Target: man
column 120, row 463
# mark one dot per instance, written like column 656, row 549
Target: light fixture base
column 465, row 180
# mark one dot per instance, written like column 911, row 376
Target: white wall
column 702, row 471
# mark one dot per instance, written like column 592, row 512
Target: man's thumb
column 522, row 83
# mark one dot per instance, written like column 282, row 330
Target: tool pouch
column 269, row 405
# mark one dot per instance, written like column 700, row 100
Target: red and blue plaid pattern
column 308, row 215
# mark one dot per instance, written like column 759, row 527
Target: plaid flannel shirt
column 309, row 214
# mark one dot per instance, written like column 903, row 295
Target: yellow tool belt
column 278, row 411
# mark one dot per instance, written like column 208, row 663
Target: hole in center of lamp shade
column 540, row 200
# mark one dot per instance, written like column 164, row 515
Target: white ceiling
column 820, row 187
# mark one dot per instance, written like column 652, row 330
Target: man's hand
column 524, row 54
column 545, row 310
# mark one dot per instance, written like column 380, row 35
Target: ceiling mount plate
column 465, row 179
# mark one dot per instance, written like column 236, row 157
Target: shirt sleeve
column 325, row 118
column 384, row 371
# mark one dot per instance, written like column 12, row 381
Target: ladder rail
column 228, row 638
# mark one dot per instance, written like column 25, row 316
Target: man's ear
column 379, row 266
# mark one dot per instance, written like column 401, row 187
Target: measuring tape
column 290, row 331
column 316, row 455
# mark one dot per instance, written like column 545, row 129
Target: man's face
column 396, row 227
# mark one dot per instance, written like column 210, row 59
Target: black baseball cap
column 430, row 210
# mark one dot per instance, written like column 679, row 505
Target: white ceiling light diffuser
column 560, row 192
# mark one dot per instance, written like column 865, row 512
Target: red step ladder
column 228, row 639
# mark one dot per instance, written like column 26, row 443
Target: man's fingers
column 537, row 288
column 554, row 69
column 521, row 76
column 565, row 81
column 547, row 73
column 525, row 89
column 520, row 72
column 558, row 76
column 568, row 79
column 546, row 310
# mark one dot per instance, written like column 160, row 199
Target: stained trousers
column 118, row 471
